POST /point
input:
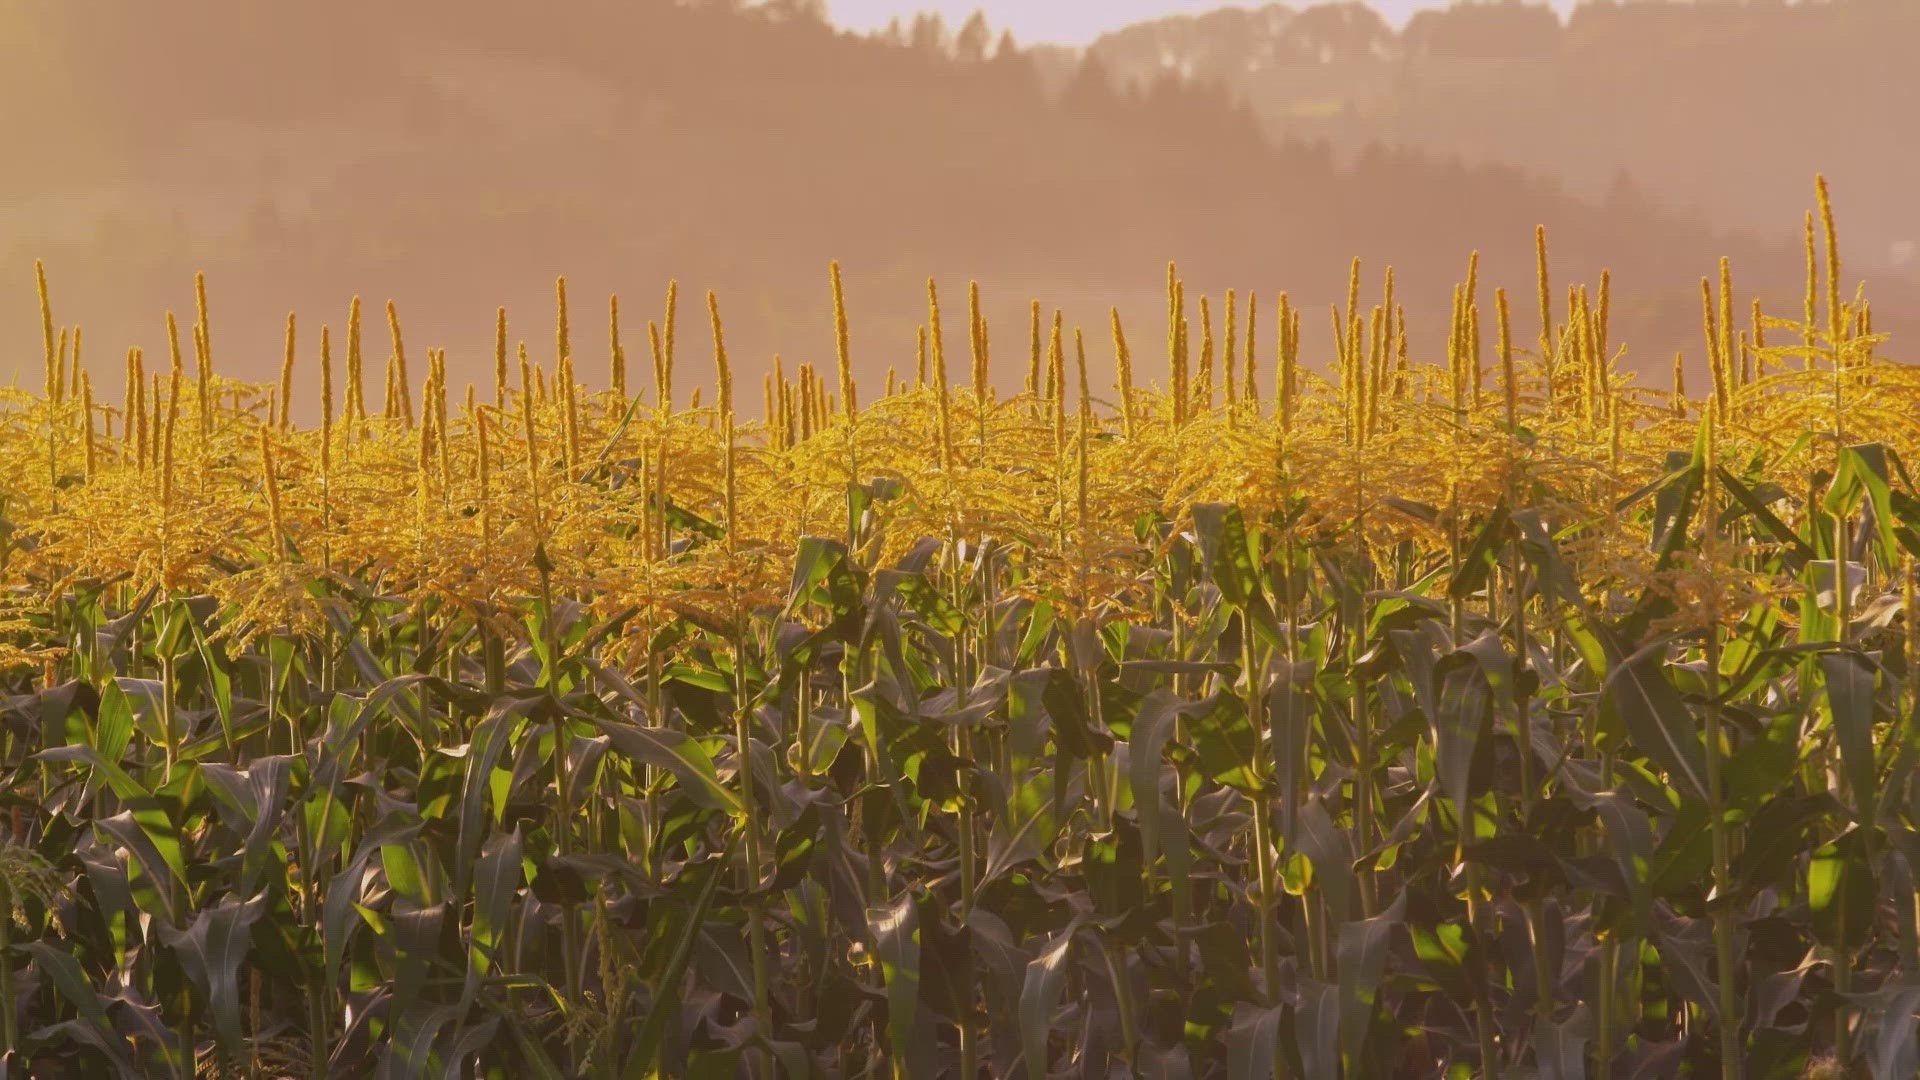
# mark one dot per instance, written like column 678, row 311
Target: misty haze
column 1066, row 540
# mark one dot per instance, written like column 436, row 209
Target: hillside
column 1720, row 109
column 455, row 158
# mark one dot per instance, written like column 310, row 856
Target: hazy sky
column 1068, row 22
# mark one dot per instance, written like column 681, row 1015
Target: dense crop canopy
column 1499, row 715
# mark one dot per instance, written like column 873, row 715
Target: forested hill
column 1718, row 107
column 455, row 157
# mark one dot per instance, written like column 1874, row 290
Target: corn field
column 1358, row 716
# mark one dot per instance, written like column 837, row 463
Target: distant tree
column 975, row 35
column 1508, row 28
column 813, row 11
column 929, row 32
column 1013, row 73
column 1090, row 91
column 1341, row 33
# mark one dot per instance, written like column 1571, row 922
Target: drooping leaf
column 496, row 878
column 1040, row 995
column 1362, row 951
column 1850, row 695
column 896, row 935
column 1657, row 718
column 212, row 950
column 678, row 753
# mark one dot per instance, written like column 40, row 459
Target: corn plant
column 1490, row 716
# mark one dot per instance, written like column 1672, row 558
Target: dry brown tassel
column 500, row 358
column 1602, row 366
column 284, row 410
column 174, row 360
column 86, row 415
column 1376, row 371
column 159, row 425
column 722, row 369
column 74, row 367
column 1203, row 389
column 200, row 317
column 1249, row 386
column 440, row 413
column 982, row 360
column 570, row 398
column 1057, row 385
column 1352, row 311
column 1056, row 360
column 783, row 405
column 1836, row 326
column 1229, row 357
column 729, row 454
column 920, row 356
column 1716, row 363
column 562, row 336
column 843, row 355
column 1387, row 304
column 1123, row 363
column 390, row 400
column 892, row 376
column 1182, row 386
column 1033, row 351
column 789, row 418
column 57, row 377
column 139, row 418
column 203, row 374
column 1345, row 362
column 973, row 341
column 526, row 375
column 940, row 376
column 1400, row 368
column 1175, row 307
column 777, row 420
column 616, row 357
column 356, row 403
column 1509, row 379
column 270, row 481
column 203, row 377
column 1726, row 323
column 128, row 407
column 1679, row 384
column 666, row 344
column 46, row 314
column 530, row 432
column 662, row 388
column 1473, row 352
column 326, row 408
column 1812, row 311
column 806, row 402
column 1759, row 341
column 1284, row 377
column 1546, row 307
column 1080, row 359
column 1456, row 347
column 483, row 467
column 174, row 383
column 1582, row 329
column 1602, row 329
column 400, row 366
